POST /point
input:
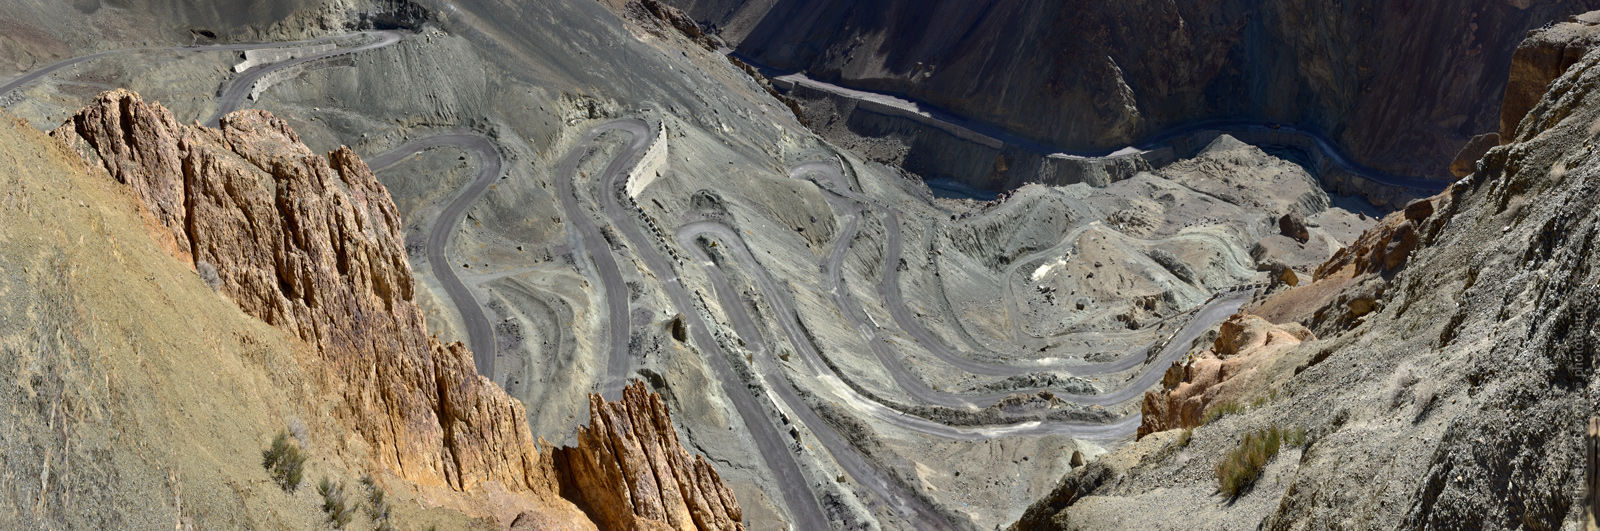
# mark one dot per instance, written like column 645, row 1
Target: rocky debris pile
column 1244, row 343
column 630, row 472
column 312, row 244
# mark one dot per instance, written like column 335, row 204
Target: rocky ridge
column 312, row 245
column 1453, row 376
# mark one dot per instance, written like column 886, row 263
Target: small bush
column 1400, row 386
column 1185, row 437
column 1240, row 468
column 377, row 506
column 284, row 462
column 1217, row 411
column 1427, row 394
column 333, row 504
column 208, row 273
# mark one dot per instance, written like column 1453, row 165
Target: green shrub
column 284, row 462
column 377, row 506
column 1240, row 468
column 1217, row 411
column 339, row 513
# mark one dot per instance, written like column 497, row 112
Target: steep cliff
column 1541, row 58
column 312, row 245
column 1399, row 85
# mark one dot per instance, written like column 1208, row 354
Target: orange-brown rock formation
column 312, row 244
column 1218, row 375
column 630, row 472
column 1351, row 283
column 1539, row 60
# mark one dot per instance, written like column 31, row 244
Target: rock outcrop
column 1385, row 247
column 630, row 472
column 1244, row 343
column 1466, row 160
column 1540, row 59
column 312, row 244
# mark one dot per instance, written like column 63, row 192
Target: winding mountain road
column 36, row 74
column 856, row 208
column 238, row 88
column 793, row 485
column 233, row 97
column 592, row 248
column 480, row 335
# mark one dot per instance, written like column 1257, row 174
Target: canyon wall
column 1400, row 86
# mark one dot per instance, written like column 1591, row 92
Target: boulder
column 1419, row 210
column 1466, row 161
column 1399, row 246
column 1360, row 306
column 1294, row 226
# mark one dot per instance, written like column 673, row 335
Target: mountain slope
column 1458, row 391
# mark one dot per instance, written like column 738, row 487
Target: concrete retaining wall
column 278, row 76
column 649, row 167
column 266, row 56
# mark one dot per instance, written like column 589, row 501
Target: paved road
column 856, row 208
column 586, row 238
column 792, row 484
column 913, row 508
column 1216, row 310
column 480, row 335
column 47, row 70
column 233, row 97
